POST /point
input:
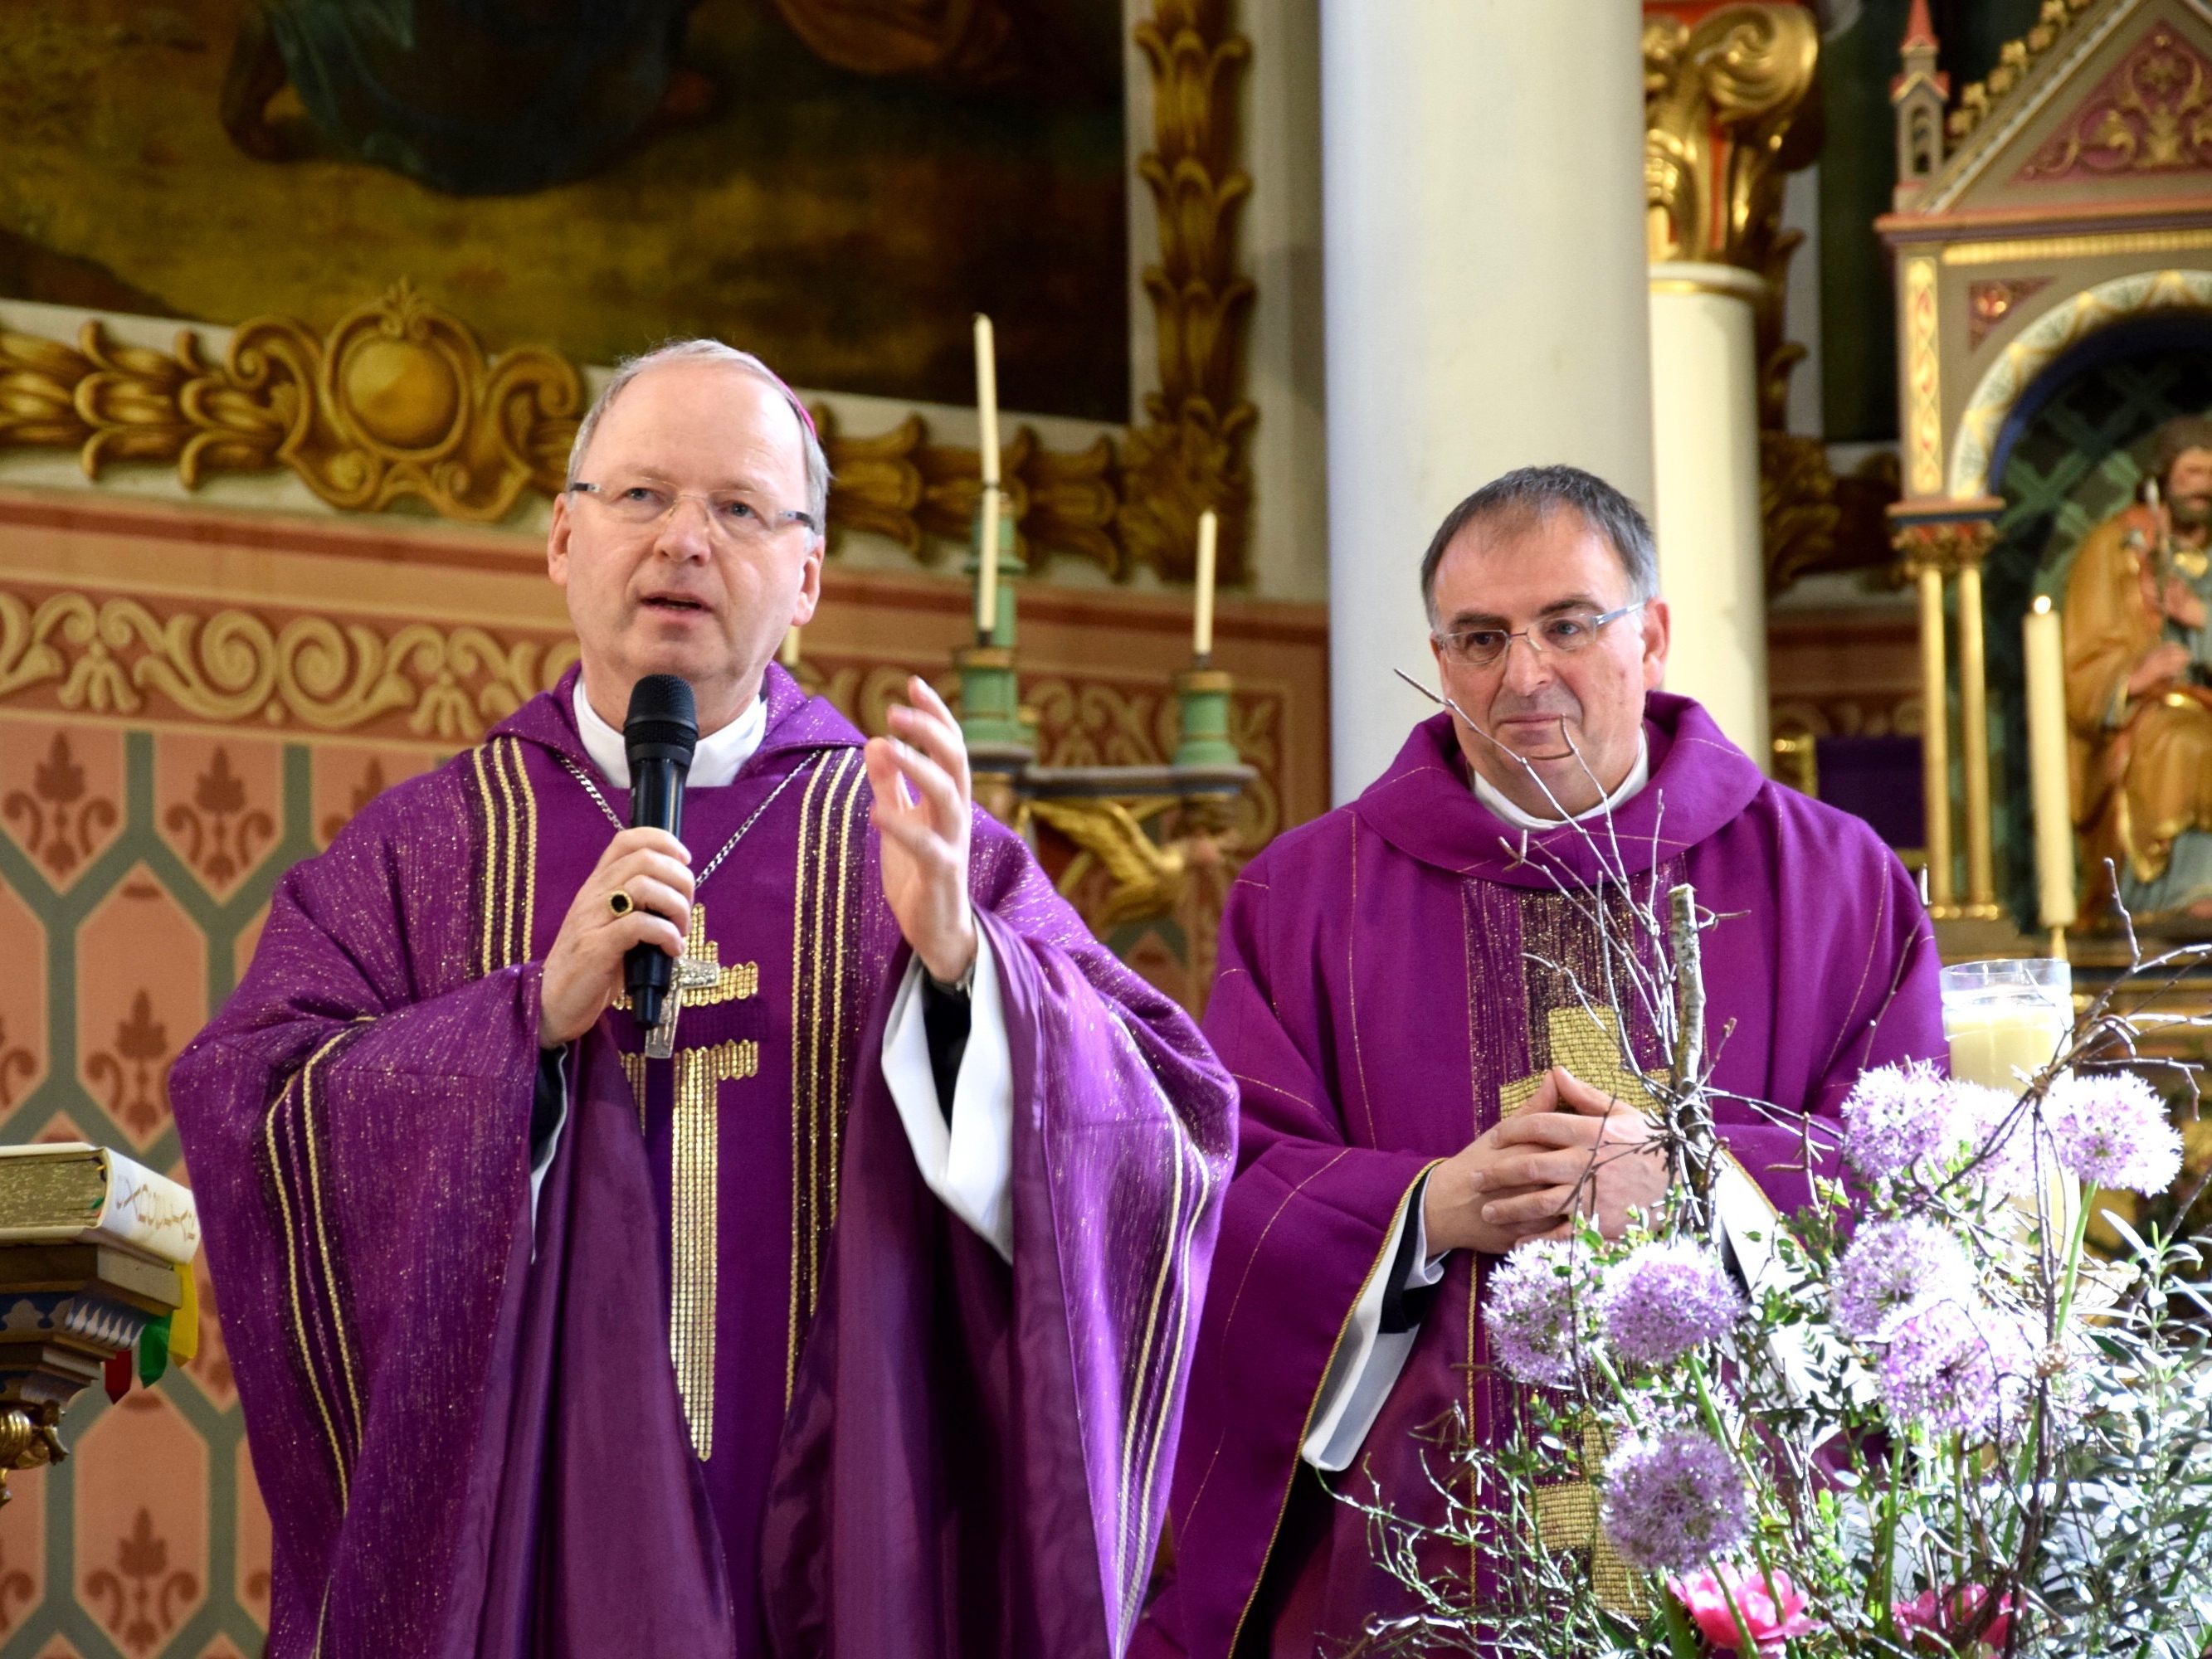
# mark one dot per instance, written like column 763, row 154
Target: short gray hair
column 1530, row 495
column 710, row 351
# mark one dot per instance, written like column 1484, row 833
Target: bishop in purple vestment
column 857, row 1326
column 1405, row 998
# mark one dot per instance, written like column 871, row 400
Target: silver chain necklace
column 700, row 880
column 689, row 976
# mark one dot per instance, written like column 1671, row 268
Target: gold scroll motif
column 694, row 1176
column 126, row 655
column 1721, row 101
column 2015, row 59
column 399, row 401
column 1923, row 399
column 1192, row 452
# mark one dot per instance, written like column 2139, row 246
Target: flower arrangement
column 1929, row 1424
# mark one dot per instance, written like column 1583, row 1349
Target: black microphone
column 659, row 734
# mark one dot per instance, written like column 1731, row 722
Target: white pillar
column 1712, row 560
column 1482, row 190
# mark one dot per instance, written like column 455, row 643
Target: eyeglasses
column 733, row 516
column 1566, row 633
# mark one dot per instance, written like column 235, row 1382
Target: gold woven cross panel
column 1567, row 1520
column 695, row 1176
column 1588, row 1044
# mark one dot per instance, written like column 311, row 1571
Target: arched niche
column 2070, row 453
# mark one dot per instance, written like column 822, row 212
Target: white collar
column 717, row 761
column 1638, row 775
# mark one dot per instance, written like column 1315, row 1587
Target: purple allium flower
column 2112, row 1129
column 2002, row 1134
column 1667, row 1298
column 1541, row 1308
column 1955, row 1367
column 1894, row 1116
column 1895, row 1268
column 1674, row 1500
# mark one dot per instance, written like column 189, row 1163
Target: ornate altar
column 2053, row 245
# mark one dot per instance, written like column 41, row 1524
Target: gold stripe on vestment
column 487, row 878
column 1180, row 1312
column 526, row 911
column 694, row 1176
column 797, row 1080
column 292, row 1275
column 1143, row 1360
column 837, row 990
column 506, row 911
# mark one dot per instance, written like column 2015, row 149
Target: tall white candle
column 986, row 566
column 1201, row 632
column 986, row 399
column 2048, row 790
column 789, row 655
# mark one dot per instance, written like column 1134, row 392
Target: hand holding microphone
column 608, row 943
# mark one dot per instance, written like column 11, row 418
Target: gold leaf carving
column 1192, row 451
column 121, row 655
column 397, row 401
column 2015, row 59
column 400, row 402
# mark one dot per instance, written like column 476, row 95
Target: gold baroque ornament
column 1721, row 101
column 1192, row 452
column 120, row 655
column 397, row 401
column 2015, row 59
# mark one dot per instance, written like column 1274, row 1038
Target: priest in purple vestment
column 1425, row 1083
column 857, row 1326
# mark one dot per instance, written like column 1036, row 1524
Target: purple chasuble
column 748, row 1387
column 1386, row 972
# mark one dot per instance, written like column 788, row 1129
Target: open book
column 68, row 1191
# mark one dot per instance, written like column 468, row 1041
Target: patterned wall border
column 400, row 402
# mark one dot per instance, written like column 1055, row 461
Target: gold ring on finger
column 621, row 902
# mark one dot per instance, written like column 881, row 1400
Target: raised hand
column 919, row 776
column 584, row 969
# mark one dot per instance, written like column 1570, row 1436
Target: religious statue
column 2139, row 688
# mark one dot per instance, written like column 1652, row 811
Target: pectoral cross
column 691, row 975
column 700, row 978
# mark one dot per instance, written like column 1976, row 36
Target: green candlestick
column 1202, row 699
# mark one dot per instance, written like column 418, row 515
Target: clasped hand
column 1569, row 1148
column 920, row 777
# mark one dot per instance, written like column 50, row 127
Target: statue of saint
column 2139, row 688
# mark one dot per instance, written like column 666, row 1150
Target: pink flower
column 1954, row 1616
column 1772, row 1618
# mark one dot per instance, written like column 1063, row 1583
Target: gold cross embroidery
column 1567, row 1519
column 694, row 1175
column 1587, row 1043
column 701, row 980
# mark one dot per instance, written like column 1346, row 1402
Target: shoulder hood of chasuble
column 1424, row 806
column 796, row 722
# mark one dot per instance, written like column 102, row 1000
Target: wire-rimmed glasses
column 736, row 516
column 1565, row 632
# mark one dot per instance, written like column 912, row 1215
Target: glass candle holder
column 2005, row 1020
